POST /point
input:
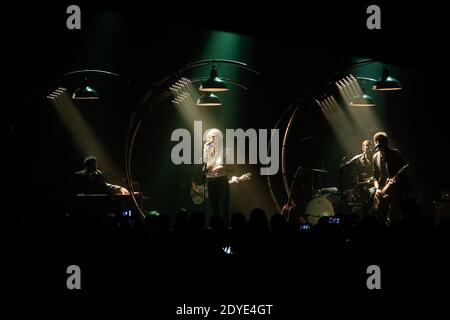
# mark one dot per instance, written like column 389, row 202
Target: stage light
column 85, row 92
column 362, row 101
column 209, row 100
column 353, row 93
column 214, row 83
column 386, row 82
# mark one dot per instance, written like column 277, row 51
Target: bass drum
column 318, row 207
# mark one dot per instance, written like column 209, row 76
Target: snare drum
column 318, row 207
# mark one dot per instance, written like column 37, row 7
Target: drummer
column 364, row 171
column 364, row 164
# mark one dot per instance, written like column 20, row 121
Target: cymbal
column 318, row 170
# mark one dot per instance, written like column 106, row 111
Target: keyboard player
column 91, row 181
column 93, row 201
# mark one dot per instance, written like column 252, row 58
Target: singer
column 216, row 173
column 91, row 180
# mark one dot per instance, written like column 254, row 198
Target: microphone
column 374, row 148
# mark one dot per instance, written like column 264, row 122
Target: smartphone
column 334, row 220
column 305, row 227
column 227, row 249
column 126, row 213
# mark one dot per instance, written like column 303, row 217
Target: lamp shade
column 386, row 82
column 85, row 93
column 213, row 83
column 209, row 100
column 362, row 101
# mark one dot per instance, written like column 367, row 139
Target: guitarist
column 386, row 163
column 216, row 173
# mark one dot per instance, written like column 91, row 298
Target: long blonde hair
column 213, row 150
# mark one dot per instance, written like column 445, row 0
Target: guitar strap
column 384, row 170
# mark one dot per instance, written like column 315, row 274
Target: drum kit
column 330, row 201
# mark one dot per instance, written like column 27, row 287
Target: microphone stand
column 341, row 178
column 313, row 172
column 205, row 207
column 205, row 164
column 290, row 193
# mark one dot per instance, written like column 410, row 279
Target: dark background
column 294, row 46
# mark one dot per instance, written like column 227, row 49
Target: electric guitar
column 378, row 198
column 198, row 198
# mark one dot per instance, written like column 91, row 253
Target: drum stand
column 300, row 169
column 341, row 178
column 313, row 172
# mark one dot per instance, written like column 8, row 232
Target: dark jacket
column 95, row 184
column 394, row 162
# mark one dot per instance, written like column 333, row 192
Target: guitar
column 288, row 209
column 378, row 198
column 290, row 206
column 197, row 197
